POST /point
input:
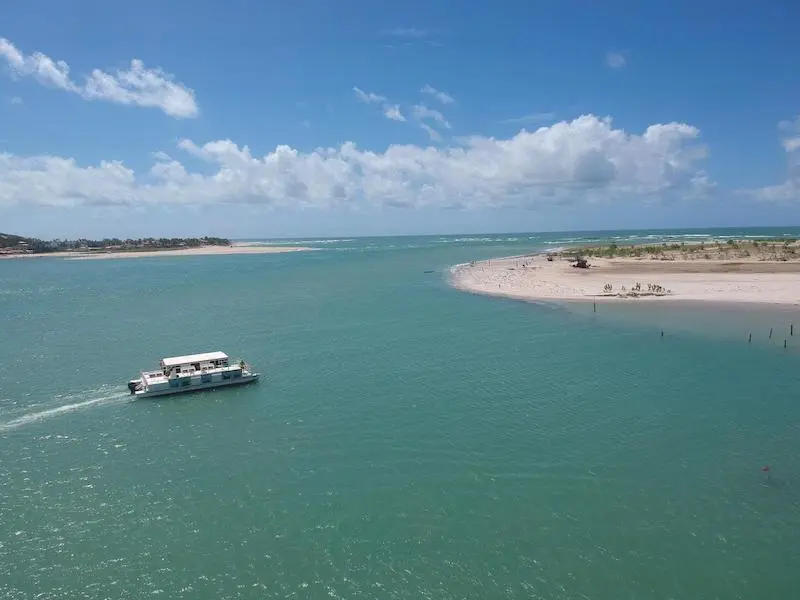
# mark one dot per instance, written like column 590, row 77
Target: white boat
column 189, row 373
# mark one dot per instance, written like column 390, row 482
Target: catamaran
column 180, row 374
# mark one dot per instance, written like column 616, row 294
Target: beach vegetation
column 730, row 249
column 16, row 244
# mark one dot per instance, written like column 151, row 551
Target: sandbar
column 236, row 248
column 722, row 274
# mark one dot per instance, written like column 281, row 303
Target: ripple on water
column 409, row 441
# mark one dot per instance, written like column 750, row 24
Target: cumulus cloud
column 43, row 68
column 789, row 190
column 586, row 159
column 442, row 97
column 135, row 86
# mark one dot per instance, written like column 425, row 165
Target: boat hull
column 195, row 387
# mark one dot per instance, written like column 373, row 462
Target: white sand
column 534, row 278
column 237, row 248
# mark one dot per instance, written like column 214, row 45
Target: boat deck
column 153, row 377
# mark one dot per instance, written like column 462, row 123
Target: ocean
column 407, row 440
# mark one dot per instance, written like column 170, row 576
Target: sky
column 267, row 118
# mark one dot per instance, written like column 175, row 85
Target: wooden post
column 662, row 333
column 791, row 329
column 784, row 343
column 750, row 337
column 770, row 333
column 595, row 305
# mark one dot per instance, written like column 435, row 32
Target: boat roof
column 173, row 361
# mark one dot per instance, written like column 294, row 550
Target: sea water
column 407, row 440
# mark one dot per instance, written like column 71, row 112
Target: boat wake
column 48, row 413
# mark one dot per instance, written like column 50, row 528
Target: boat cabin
column 193, row 363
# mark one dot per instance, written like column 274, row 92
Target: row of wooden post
column 785, row 341
column 749, row 336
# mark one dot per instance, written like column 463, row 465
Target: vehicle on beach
column 179, row 374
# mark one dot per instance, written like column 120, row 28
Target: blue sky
column 264, row 119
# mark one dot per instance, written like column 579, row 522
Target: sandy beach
column 236, row 248
column 719, row 275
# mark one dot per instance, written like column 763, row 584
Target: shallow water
column 408, row 440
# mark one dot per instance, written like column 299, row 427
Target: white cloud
column 390, row 111
column 432, row 133
column 136, row 86
column 616, row 60
column 586, row 159
column 139, row 86
column 43, row 68
column 410, row 36
column 16, row 100
column 393, row 113
column 419, row 112
column 442, row 97
column 791, row 129
column 422, row 113
column 407, row 32
column 531, row 118
column 789, row 190
column 368, row 97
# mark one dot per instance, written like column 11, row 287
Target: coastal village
column 18, row 245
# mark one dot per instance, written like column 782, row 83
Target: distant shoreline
column 234, row 248
column 731, row 272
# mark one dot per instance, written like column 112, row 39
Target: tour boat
column 180, row 374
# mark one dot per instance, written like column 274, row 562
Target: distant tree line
column 35, row 245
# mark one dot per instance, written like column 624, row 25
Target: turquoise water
column 408, row 440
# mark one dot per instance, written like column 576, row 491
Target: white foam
column 292, row 242
column 49, row 413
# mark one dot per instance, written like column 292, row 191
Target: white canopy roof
column 174, row 361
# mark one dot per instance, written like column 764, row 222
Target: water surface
column 407, row 441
